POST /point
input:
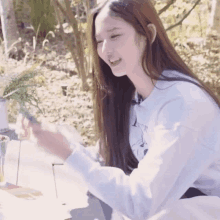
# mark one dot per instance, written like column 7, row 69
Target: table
column 36, row 171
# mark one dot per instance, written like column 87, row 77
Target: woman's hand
column 47, row 136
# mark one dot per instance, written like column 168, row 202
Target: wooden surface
column 21, row 192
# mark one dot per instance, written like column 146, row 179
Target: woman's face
column 118, row 41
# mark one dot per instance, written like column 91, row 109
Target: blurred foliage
column 22, row 11
column 42, row 17
column 21, row 85
column 194, row 25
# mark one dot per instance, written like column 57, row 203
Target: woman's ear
column 153, row 31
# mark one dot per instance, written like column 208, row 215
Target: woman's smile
column 116, row 63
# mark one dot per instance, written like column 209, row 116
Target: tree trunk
column 214, row 19
column 79, row 47
column 79, row 56
column 11, row 36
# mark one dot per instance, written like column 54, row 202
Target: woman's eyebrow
column 110, row 30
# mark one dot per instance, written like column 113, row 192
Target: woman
column 158, row 124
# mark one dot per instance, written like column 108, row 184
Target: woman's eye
column 114, row 36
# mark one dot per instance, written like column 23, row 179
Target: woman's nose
column 106, row 48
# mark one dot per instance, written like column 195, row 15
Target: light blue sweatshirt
column 175, row 135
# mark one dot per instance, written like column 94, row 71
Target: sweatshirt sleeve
column 175, row 159
column 92, row 152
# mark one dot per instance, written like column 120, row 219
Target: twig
column 66, row 41
column 53, row 164
column 54, row 179
column 186, row 15
column 10, row 93
column 166, row 7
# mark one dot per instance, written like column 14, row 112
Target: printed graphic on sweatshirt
column 138, row 144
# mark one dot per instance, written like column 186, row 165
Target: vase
column 3, row 116
column 4, row 140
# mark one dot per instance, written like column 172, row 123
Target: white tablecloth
column 36, row 172
column 44, row 208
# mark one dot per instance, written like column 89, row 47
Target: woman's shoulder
column 186, row 89
column 186, row 103
column 178, row 101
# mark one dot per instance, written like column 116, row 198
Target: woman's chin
column 119, row 74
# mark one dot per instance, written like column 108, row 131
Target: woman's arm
column 93, row 152
column 184, row 143
column 75, row 138
column 175, row 159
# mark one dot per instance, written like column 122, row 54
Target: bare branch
column 186, row 15
column 79, row 45
column 166, row 7
column 66, row 41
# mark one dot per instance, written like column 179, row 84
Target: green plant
column 20, row 85
column 42, row 16
column 31, row 53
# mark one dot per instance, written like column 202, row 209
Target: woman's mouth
column 115, row 63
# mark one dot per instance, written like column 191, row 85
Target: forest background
column 51, row 33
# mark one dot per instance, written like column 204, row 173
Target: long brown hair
column 112, row 96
